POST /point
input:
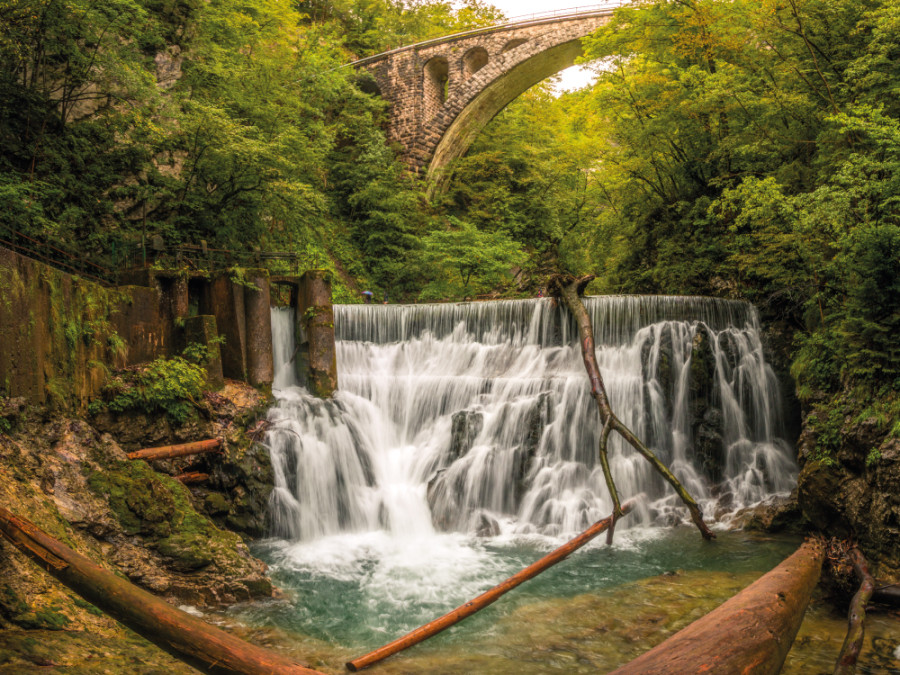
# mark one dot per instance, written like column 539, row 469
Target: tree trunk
column 570, row 291
column 185, row 637
column 486, row 598
column 750, row 633
column 856, row 619
column 184, row 450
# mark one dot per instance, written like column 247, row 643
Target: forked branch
column 570, row 290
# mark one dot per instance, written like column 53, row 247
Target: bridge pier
column 317, row 355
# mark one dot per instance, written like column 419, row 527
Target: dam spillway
column 477, row 418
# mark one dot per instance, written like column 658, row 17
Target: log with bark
column 192, row 477
column 487, row 598
column 172, row 451
column 570, row 290
column 846, row 663
column 209, row 649
column 750, row 633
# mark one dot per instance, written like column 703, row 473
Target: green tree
column 465, row 261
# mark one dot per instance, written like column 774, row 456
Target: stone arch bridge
column 444, row 91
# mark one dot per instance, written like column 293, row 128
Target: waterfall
column 477, row 417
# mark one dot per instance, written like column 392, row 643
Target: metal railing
column 55, row 256
column 571, row 11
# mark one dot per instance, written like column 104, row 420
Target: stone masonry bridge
column 444, row 91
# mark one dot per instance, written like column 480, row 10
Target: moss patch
column 159, row 509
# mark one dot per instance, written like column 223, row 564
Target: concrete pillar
column 315, row 315
column 179, row 298
column 226, row 300
column 202, row 330
column 257, row 305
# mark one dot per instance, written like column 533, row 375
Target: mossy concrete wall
column 60, row 335
column 317, row 354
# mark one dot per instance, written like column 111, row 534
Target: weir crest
column 477, row 418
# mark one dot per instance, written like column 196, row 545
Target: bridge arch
column 437, row 77
column 474, row 60
column 437, row 110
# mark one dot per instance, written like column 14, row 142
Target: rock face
column 446, row 488
column 236, row 496
column 75, row 482
column 854, row 492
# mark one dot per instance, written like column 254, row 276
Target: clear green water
column 591, row 613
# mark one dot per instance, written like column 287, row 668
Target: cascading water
column 462, row 446
column 477, row 417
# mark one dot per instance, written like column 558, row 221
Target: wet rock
column 487, row 526
column 465, row 427
column 523, row 460
column 709, row 446
column 774, row 515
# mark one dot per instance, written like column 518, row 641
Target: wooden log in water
column 486, row 598
column 856, row 619
column 209, row 649
column 749, row 634
column 183, row 450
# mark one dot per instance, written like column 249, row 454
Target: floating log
column 209, row 649
column 750, row 633
column 192, row 477
column 183, row 450
column 570, row 291
column 856, row 619
column 486, row 598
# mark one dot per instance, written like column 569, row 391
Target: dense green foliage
column 170, row 386
column 748, row 148
column 226, row 121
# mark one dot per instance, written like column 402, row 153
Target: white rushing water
column 477, row 418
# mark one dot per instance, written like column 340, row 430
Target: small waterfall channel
column 463, row 443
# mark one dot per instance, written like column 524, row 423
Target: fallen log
column 886, row 593
column 192, row 477
column 487, row 598
column 749, row 634
column 856, row 619
column 209, row 649
column 570, row 291
column 183, row 450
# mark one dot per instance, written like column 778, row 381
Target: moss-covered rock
column 849, row 482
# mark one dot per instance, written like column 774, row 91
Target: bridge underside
column 493, row 98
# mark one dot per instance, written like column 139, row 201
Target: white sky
column 572, row 78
